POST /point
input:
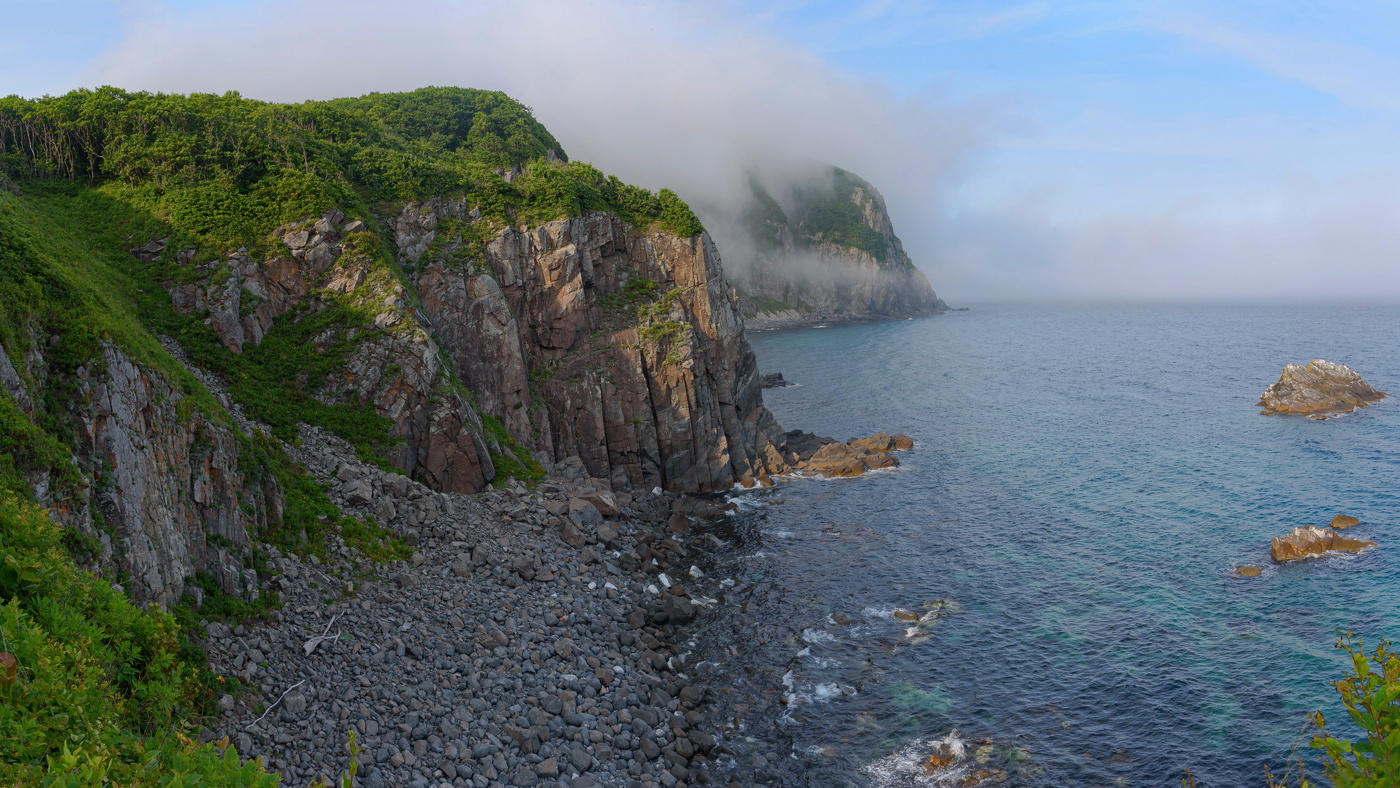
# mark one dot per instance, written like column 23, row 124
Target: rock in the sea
column 1312, row 541
column 774, row 380
column 1343, row 521
column 1318, row 390
column 854, row 457
column 1249, row 570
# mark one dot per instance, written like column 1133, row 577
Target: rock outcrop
column 1317, row 390
column 830, row 254
column 830, row 458
column 589, row 338
column 394, row 366
column 163, row 494
column 1312, row 541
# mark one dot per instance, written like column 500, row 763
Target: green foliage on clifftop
column 226, row 170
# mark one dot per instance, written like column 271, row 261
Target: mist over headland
column 998, row 190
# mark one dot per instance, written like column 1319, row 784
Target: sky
column 1089, row 150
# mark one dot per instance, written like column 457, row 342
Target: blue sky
column 1105, row 149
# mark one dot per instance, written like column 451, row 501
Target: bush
column 100, row 693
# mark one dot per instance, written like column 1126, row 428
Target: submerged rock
column 1318, row 390
column 1248, row 570
column 1312, row 541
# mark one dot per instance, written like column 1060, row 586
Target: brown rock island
column 1317, row 390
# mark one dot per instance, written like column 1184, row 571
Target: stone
column 295, row 702
column 836, row 459
column 1317, row 390
column 1344, row 521
column 549, row 767
column 462, row 567
column 879, row 442
column 1248, row 570
column 607, row 534
column 774, row 380
column 679, row 610
column 678, row 524
column 1312, row 541
column 605, row 502
column 584, row 514
column 358, row 492
column 570, row 535
column 564, row 648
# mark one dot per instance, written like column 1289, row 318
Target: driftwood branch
column 274, row 704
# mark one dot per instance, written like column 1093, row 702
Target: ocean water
column 1084, row 481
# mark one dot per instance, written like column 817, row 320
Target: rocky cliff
column 590, row 339
column 825, row 249
column 460, row 313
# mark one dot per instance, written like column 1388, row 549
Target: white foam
column 817, row 636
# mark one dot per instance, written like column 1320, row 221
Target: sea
column 1085, row 480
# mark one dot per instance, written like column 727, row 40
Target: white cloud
column 658, row 93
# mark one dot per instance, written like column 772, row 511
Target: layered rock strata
column 395, row 366
column 1317, row 390
column 590, row 339
column 163, row 495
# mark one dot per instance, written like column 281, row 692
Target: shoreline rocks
column 829, row 458
column 1311, row 541
column 1317, row 390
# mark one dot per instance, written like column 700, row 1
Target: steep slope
column 831, row 254
column 423, row 275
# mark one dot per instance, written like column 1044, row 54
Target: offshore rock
column 1344, row 521
column 1312, row 541
column 852, row 458
column 1318, row 390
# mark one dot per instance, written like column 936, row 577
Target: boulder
column 1312, row 541
column 605, row 502
column 584, row 514
column 774, row 380
column 1318, row 390
column 1249, row 570
column 1343, row 521
column 836, row 459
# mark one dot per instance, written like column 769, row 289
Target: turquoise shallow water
column 1084, row 481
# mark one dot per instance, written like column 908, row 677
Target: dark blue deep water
column 1085, row 479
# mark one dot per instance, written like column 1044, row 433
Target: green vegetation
column 1371, row 696
column 225, row 171
column 510, row 458
column 825, row 211
column 100, row 690
column 829, row 212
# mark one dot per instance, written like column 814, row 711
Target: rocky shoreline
column 530, row 640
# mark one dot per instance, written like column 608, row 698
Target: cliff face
column 165, row 496
column 393, row 364
column 830, row 254
column 584, row 337
column 587, row 338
